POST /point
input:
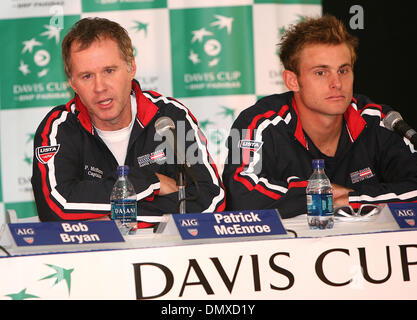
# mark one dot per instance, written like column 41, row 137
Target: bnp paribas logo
column 33, row 59
column 216, row 134
column 283, row 29
column 59, row 274
column 28, row 153
column 212, row 51
column 34, row 56
column 206, row 43
column 140, row 27
column 24, row 165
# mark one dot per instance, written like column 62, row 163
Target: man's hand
column 104, row 218
column 340, row 195
column 168, row 185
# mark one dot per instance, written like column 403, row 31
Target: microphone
column 165, row 127
column 394, row 122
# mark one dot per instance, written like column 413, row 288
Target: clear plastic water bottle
column 123, row 202
column 319, row 198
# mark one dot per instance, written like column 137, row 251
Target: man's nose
column 99, row 83
column 335, row 82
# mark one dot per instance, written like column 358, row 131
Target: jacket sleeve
column 396, row 165
column 253, row 175
column 204, row 187
column 61, row 192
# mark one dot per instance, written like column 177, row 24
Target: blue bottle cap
column 122, row 170
column 318, row 164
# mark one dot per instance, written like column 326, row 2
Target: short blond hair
column 88, row 30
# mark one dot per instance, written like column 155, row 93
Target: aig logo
column 188, row 223
column 405, row 213
column 25, row 232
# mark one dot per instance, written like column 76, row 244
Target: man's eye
column 320, row 73
column 109, row 70
column 86, row 76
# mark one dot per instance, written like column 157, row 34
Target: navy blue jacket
column 74, row 171
column 270, row 160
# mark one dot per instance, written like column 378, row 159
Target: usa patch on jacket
column 361, row 175
column 45, row 153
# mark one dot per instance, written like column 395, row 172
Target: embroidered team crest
column 45, row 153
column 251, row 145
column 361, row 175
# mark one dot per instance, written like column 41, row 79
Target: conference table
column 370, row 258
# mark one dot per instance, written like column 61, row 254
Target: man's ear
column 71, row 84
column 132, row 70
column 290, row 80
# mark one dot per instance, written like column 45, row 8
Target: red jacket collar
column 354, row 120
column 355, row 123
column 299, row 134
column 146, row 110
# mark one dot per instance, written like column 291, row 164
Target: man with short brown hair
column 319, row 118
